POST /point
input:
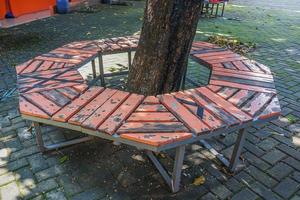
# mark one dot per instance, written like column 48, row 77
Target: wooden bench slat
column 213, row 108
column 191, row 121
column 91, row 107
column 151, row 108
column 262, row 67
column 69, row 92
column 151, row 100
column 211, row 121
column 241, row 86
column 32, row 67
column 242, row 76
column 241, row 97
column 273, row 109
column 213, row 53
column 45, row 65
column 252, row 67
column 69, row 110
column 222, row 60
column 152, row 117
column 56, row 97
column 80, row 87
column 227, row 106
column 62, row 60
column 58, row 65
column 244, row 73
column 244, row 81
column 103, row 112
column 240, row 66
column 152, row 127
column 21, row 67
column 115, row 120
column 42, row 103
column 228, row 65
column 257, row 103
column 156, row 139
column 227, row 92
column 219, row 57
column 214, row 88
column 28, row 108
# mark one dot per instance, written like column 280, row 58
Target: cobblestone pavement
column 100, row 170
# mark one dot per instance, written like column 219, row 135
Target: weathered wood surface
column 240, row 91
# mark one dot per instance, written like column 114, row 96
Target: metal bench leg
column 238, row 147
column 174, row 181
column 234, row 160
column 101, row 69
column 94, row 69
column 42, row 147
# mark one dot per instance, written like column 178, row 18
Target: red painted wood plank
column 214, row 53
column 151, row 100
column 227, row 92
column 29, row 109
column 242, row 86
column 152, row 117
column 212, row 108
column 222, row 60
column 91, row 107
column 151, row 108
column 152, row 127
column 102, row 113
column 32, row 67
column 272, row 110
column 204, row 44
column 218, row 57
column 42, row 103
column 69, row 110
column 45, row 66
column 214, row 88
column 115, row 120
column 63, row 60
column 252, row 66
column 156, row 139
column 21, row 67
column 230, row 108
column 76, row 51
column 190, row 120
column 241, row 66
column 69, row 92
column 242, row 76
column 80, row 87
column 211, row 121
column 257, row 103
column 263, row 67
column 56, row 97
column 58, row 65
column 241, row 97
column 245, row 73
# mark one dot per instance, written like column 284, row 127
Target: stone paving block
column 14, row 144
column 263, row 191
column 244, row 178
column 261, row 176
column 91, row 194
column 10, row 191
column 6, row 178
column 254, row 149
column 209, row 196
column 69, row 184
column 296, row 176
column 4, row 122
column 234, row 185
column 37, row 162
column 257, row 162
column 245, row 194
column 287, row 188
column 280, row 170
column 296, row 197
column 49, row 173
column 42, row 187
column 268, row 144
column 273, row 156
column 13, row 114
column 24, row 134
column 17, row 164
column 290, row 151
column 220, row 190
column 23, row 153
column 56, row 195
column 292, row 162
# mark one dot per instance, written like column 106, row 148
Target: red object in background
column 3, row 8
column 215, row 1
column 21, row 7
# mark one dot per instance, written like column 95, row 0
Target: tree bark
column 165, row 42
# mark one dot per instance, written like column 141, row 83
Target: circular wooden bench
column 240, row 94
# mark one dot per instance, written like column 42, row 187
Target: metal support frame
column 94, row 69
column 43, row 148
column 101, row 69
column 173, row 181
column 129, row 59
column 234, row 159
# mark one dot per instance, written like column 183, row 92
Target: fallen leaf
column 63, row 159
column 199, row 180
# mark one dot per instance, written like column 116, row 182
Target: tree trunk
column 165, row 42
